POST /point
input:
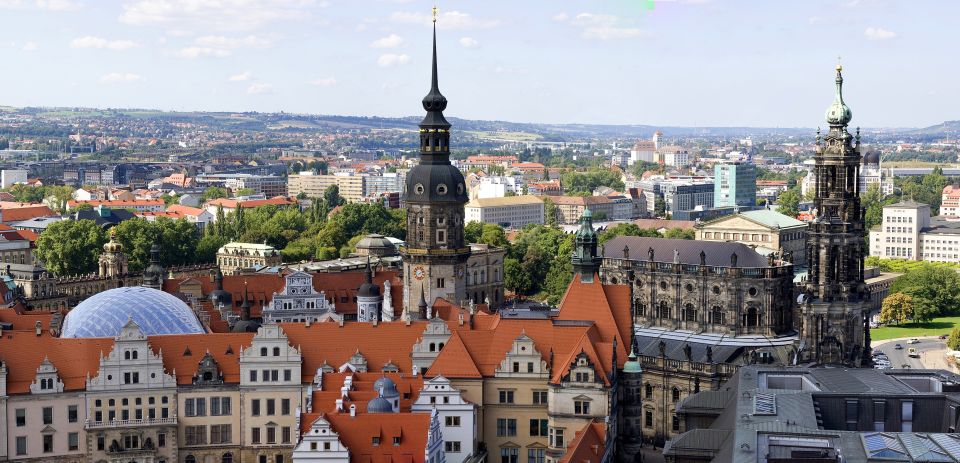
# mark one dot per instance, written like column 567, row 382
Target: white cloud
column 259, row 88
column 447, row 20
column 469, row 42
column 391, row 59
column 57, row 5
column 879, row 33
column 216, row 14
column 561, row 17
column 390, row 41
column 120, row 77
column 605, row 27
column 242, row 77
column 30, row 46
column 102, row 43
column 201, row 52
column 219, row 41
column 324, row 82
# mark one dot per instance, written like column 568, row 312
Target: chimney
column 307, row 323
column 339, row 405
column 460, row 318
column 353, row 409
column 39, row 328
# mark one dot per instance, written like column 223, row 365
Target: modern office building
column 734, row 184
column 508, row 212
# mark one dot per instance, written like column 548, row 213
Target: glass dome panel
column 104, row 314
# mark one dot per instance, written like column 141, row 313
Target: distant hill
column 947, row 128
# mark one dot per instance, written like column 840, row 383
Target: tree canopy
column 69, row 247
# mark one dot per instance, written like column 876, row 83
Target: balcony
column 89, row 424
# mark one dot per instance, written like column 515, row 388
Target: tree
column 659, row 207
column 626, row 229
column 177, row 238
column 332, row 196
column 71, row 247
column 207, row 247
column 170, row 199
column 550, row 212
column 953, row 342
column 896, row 308
column 515, row 278
column 213, row 192
column 789, row 203
column 586, row 182
column 245, row 192
column 934, row 289
column 679, row 233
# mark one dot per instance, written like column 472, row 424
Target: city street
column 930, row 349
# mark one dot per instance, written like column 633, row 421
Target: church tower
column 835, row 302
column 435, row 254
column 585, row 260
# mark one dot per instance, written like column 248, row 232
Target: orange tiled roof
column 25, row 321
column 357, row 433
column 233, row 203
column 15, row 212
column 362, row 391
column 607, row 305
column 75, row 358
column 117, row 203
column 184, row 210
column 182, row 353
column 588, row 446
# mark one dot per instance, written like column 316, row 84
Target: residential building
column 496, row 186
column 764, row 230
column 508, row 212
column 604, row 208
column 142, row 205
column 231, row 205
column 17, row 212
column 734, row 184
column 11, row 177
column 353, row 187
column 903, row 231
column 950, row 201
column 234, row 257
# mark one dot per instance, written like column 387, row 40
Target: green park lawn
column 935, row 327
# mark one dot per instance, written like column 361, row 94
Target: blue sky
column 680, row 62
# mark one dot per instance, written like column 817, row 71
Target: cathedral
column 835, row 301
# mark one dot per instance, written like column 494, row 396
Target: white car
column 913, row 341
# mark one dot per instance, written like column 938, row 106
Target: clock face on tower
column 419, row 273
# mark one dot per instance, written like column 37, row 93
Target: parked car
column 898, row 347
column 913, row 341
column 912, row 352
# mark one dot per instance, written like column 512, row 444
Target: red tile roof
column 119, row 204
column 233, row 203
column 588, row 446
column 357, row 433
column 182, row 353
column 15, row 212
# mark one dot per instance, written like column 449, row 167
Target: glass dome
column 104, row 314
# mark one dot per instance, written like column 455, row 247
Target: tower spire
column 435, row 87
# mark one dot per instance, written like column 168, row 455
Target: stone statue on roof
column 676, row 256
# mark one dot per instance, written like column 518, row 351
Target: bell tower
column 435, row 254
column 835, row 302
column 585, row 260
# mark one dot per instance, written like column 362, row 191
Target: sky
column 754, row 63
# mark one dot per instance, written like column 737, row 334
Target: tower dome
column 838, row 113
column 872, row 158
column 104, row 314
column 379, row 405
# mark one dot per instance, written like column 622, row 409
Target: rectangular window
column 161, row 439
column 506, row 397
column 255, row 435
column 73, row 441
column 506, row 427
column 536, row 455
column 452, row 421
column 676, row 423
column 21, row 417
column 539, row 397
column 271, row 435
column 852, row 415
column 648, row 419
column 274, row 375
column 253, row 376
column 195, row 435
column 879, row 415
column 101, row 442
column 271, row 407
column 21, row 445
column 287, row 374
column 72, row 413
column 201, row 407
column 255, row 407
column 188, row 407
column 47, row 415
column 48, row 443
column 284, row 407
column 556, row 437
column 285, row 435
column 906, row 416
column 538, row 428
column 221, row 434
column 452, row 446
column 214, row 406
column 509, row 454
column 581, row 407
column 225, row 408
column 440, row 283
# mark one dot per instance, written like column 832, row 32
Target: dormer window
column 396, row 440
column 375, row 441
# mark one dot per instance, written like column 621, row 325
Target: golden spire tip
column 435, row 12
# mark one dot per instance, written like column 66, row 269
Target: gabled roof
column 363, row 391
column 224, row 347
column 357, row 433
column 458, row 363
column 717, row 252
column 588, row 446
column 606, row 305
column 15, row 212
column 233, row 203
column 75, row 358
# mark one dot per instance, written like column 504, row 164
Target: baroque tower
column 585, row 261
column 835, row 302
column 435, row 254
column 113, row 262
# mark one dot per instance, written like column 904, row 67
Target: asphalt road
column 899, row 357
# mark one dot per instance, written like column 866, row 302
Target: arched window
column 751, row 318
column 226, row 458
column 689, row 313
column 716, row 315
column 433, row 347
column 676, row 395
column 276, row 351
column 664, row 310
column 641, row 309
column 126, row 355
column 648, row 391
column 190, row 459
column 263, row 351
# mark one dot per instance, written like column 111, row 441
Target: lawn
column 935, row 327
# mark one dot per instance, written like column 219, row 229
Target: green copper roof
column 838, row 113
column 632, row 365
column 772, row 219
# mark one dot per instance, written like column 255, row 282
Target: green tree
column 789, row 203
column 71, row 247
column 953, row 342
column 245, row 192
column 170, row 199
column 550, row 212
column 207, row 247
column 515, row 278
column 934, row 289
column 679, row 233
column 177, row 238
column 659, row 207
column 585, row 182
column 213, row 192
column 332, row 196
column 896, row 308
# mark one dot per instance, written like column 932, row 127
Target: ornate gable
column 47, row 380
column 523, row 360
column 208, row 372
column 582, row 371
column 131, row 364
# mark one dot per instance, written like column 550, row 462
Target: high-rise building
column 734, row 184
column 836, row 300
column 435, row 254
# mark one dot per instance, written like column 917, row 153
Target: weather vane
column 435, row 11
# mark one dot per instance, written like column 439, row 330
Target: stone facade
column 299, row 302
